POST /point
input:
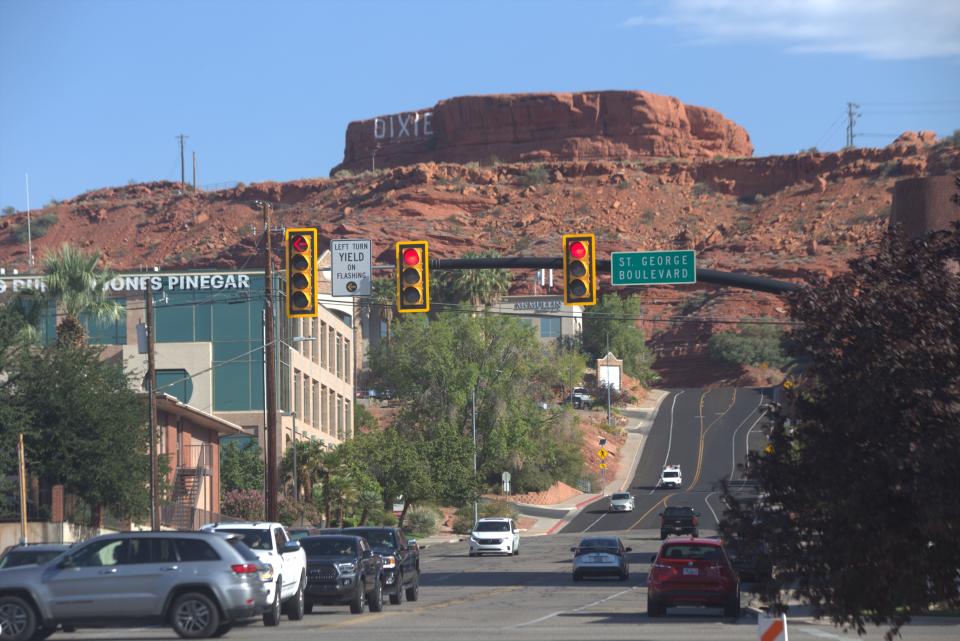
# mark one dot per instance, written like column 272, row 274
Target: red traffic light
column 411, row 257
column 578, row 250
column 300, row 244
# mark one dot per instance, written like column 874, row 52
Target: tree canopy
column 615, row 317
column 75, row 283
column 862, row 513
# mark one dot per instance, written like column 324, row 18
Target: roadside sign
column 603, row 441
column 672, row 267
column 602, row 453
column 351, row 266
column 603, row 466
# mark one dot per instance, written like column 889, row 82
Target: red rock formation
column 618, row 125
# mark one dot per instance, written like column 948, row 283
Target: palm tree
column 311, row 465
column 76, row 286
column 478, row 287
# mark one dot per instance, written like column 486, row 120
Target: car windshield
column 678, row 511
column 16, row 558
column 296, row 535
column 671, row 474
column 254, row 539
column 493, row 526
column 692, row 552
column 377, row 538
column 620, row 497
column 329, row 546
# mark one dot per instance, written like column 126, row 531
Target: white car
column 495, row 536
column 621, row 502
column 288, row 562
column 671, row 476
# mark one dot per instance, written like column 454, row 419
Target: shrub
column 702, row 189
column 293, row 512
column 752, row 345
column 8, row 210
column 243, row 504
column 422, row 520
column 463, row 523
column 504, row 509
column 535, row 176
column 39, row 227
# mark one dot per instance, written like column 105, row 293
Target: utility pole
column 183, row 177
column 271, row 401
column 194, row 170
column 152, row 403
column 851, row 121
column 608, row 380
column 474, row 403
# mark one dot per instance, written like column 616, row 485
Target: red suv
column 692, row 571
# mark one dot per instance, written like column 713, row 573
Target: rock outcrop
column 619, row 125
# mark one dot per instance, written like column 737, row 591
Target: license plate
column 596, row 558
column 691, row 571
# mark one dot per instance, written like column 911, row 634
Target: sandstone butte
column 597, row 125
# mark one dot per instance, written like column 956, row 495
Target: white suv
column 288, row 562
column 496, row 535
column 671, row 476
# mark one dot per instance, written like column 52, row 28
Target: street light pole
column 473, row 397
column 296, row 494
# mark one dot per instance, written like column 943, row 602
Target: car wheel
column 732, row 609
column 396, row 598
column 624, row 576
column 222, row 630
column 577, row 576
column 194, row 616
column 655, row 608
column 663, row 535
column 413, row 592
column 359, row 601
column 516, row 551
column 17, row 619
column 296, row 605
column 474, row 554
column 376, row 598
column 695, row 533
column 308, row 607
column 43, row 633
column 272, row 616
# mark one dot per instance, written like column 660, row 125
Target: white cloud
column 887, row 29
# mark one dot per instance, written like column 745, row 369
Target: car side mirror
column 290, row 546
column 411, row 543
column 66, row 563
column 628, row 549
column 661, row 514
column 573, row 549
column 696, row 514
column 367, row 554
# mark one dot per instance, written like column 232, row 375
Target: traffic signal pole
column 271, row 436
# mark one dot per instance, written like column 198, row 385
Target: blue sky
column 94, row 92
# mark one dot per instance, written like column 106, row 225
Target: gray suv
column 198, row 583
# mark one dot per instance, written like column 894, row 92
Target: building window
column 347, row 419
column 346, row 360
column 339, row 356
column 296, row 393
column 324, row 411
column 307, row 415
column 315, row 417
column 322, row 340
column 332, row 350
column 315, row 348
column 339, row 411
column 175, row 382
column 550, row 327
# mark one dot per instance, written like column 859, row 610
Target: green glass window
column 175, row 383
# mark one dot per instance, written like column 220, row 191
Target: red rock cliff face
column 618, row 125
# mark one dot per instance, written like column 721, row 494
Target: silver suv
column 200, row 584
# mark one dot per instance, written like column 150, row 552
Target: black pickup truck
column 679, row 520
column 401, row 560
column 342, row 569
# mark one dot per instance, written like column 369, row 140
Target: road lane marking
column 669, row 438
column 580, row 609
column 703, row 433
column 819, row 633
column 733, row 440
column 652, row 508
column 706, row 500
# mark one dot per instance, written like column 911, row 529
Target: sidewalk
column 551, row 518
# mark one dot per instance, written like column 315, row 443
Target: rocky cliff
column 622, row 125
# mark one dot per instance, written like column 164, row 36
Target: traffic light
column 413, row 276
column 301, row 247
column 579, row 269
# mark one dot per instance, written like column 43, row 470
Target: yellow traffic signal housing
column 301, row 250
column 579, row 269
column 413, row 276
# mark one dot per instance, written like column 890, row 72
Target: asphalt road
column 530, row 597
column 707, row 433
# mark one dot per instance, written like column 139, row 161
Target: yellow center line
column 652, row 508
column 703, row 434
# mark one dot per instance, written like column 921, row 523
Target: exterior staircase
column 187, row 484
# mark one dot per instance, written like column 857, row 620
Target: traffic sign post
column 351, row 267
column 602, row 453
column 675, row 267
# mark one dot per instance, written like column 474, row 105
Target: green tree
column 616, row 318
column 476, row 287
column 312, row 462
column 754, row 344
column 241, row 467
column 86, row 427
column 862, row 514
column 76, row 285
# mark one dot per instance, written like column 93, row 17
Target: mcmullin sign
column 139, row 283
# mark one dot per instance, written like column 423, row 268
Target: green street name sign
column 653, row 268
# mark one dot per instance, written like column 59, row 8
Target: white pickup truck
column 288, row 562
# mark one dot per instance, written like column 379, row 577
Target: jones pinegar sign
column 140, row 283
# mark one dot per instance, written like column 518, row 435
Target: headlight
column 346, row 568
column 266, row 573
column 473, row 538
column 389, row 562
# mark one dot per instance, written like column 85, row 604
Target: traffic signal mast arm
column 713, row 276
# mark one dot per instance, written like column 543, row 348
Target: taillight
column 245, row 568
column 694, row 520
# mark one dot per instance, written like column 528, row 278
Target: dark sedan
column 600, row 556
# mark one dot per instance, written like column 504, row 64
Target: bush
column 422, row 521
column 39, row 227
column 463, row 523
column 243, row 504
column 503, row 509
column 752, row 345
column 292, row 512
column 535, row 176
